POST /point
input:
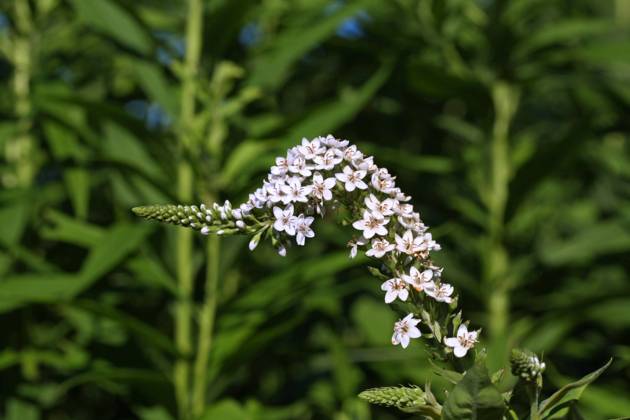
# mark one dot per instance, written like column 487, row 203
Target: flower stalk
column 185, row 187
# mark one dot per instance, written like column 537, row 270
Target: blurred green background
column 507, row 121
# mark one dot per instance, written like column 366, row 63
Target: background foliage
column 506, row 121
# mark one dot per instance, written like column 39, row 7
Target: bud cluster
column 526, row 365
column 391, row 396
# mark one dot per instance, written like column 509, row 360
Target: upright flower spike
column 319, row 177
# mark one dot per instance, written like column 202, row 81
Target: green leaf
column 329, row 116
column 604, row 238
column 225, row 410
column 115, row 246
column 20, row 410
column 474, row 397
column 110, row 18
column 273, row 67
column 139, row 328
column 67, row 229
column 570, row 392
column 22, row 289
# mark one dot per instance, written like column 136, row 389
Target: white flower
column 303, row 229
column 328, row 160
column 352, row 179
column 418, row 280
column 395, row 288
column 441, row 293
column 380, row 247
column 371, row 224
column 281, row 167
column 464, row 341
column 382, row 181
column 354, row 244
column 310, row 149
column 285, row 220
column 321, row 187
column 405, row 329
column 352, row 153
column 298, row 165
column 407, row 243
column 296, row 192
column 385, row 207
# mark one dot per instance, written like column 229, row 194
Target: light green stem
column 185, row 185
column 505, row 99
column 206, row 325
column 19, row 151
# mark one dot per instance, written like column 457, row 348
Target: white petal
column 404, row 341
column 462, row 330
column 403, row 295
column 460, row 351
column 277, row 212
column 350, row 186
column 451, row 341
column 414, row 332
column 390, row 296
column 359, row 224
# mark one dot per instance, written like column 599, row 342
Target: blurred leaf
column 138, row 328
column 67, row 229
column 225, row 410
column 589, row 243
column 325, row 118
column 116, row 245
column 569, row 392
column 568, row 30
column 109, row 17
column 271, row 68
column 20, row 410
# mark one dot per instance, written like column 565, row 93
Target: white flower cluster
column 327, row 173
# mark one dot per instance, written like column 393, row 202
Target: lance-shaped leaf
column 569, row 393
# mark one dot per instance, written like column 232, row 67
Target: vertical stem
column 19, row 149
column 185, row 185
column 505, row 99
column 206, row 326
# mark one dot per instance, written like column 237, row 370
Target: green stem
column 206, row 325
column 505, row 99
column 185, row 185
column 19, row 151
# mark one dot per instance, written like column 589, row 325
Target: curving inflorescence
column 330, row 174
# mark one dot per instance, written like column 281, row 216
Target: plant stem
column 19, row 151
column 206, row 326
column 185, row 185
column 505, row 99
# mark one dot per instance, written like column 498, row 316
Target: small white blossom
column 322, row 187
column 295, row 192
column 328, row 160
column 303, row 229
column 405, row 329
column 285, row 220
column 418, row 280
column 441, row 293
column 408, row 244
column 311, row 149
column 379, row 248
column 395, row 288
column 298, row 165
column 385, row 207
column 371, row 224
column 464, row 341
column 352, row 179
